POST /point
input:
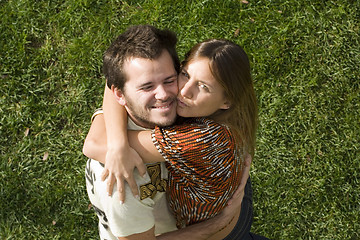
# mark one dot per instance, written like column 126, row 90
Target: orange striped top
column 204, row 166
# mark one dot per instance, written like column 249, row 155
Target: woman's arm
column 142, row 142
column 95, row 145
column 120, row 161
column 110, row 133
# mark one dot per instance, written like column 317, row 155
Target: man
column 141, row 68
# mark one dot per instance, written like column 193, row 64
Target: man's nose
column 161, row 93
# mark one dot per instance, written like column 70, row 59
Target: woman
column 204, row 155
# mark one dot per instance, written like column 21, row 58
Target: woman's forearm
column 142, row 143
column 108, row 132
column 115, row 117
column 95, row 145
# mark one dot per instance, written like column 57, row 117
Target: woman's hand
column 119, row 167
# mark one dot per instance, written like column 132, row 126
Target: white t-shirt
column 134, row 215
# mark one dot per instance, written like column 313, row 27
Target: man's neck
column 141, row 123
column 134, row 126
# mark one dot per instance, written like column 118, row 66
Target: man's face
column 150, row 92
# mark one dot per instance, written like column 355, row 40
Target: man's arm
column 208, row 228
column 148, row 235
column 203, row 230
column 199, row 231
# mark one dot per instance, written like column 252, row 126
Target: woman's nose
column 186, row 90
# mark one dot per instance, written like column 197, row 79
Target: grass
column 305, row 60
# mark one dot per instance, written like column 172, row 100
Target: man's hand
column 119, row 166
column 235, row 202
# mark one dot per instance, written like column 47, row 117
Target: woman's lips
column 181, row 103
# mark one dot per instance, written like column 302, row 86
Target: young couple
column 195, row 130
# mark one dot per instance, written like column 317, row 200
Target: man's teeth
column 167, row 106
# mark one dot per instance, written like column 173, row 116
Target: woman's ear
column 225, row 105
column 119, row 96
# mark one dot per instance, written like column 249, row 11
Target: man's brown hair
column 140, row 41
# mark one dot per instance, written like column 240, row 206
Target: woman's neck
column 220, row 116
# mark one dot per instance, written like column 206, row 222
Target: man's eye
column 146, row 88
column 170, row 81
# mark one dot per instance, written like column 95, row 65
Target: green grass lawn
column 305, row 58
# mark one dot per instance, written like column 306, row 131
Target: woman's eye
column 203, row 86
column 185, row 74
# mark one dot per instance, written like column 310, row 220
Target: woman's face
column 200, row 95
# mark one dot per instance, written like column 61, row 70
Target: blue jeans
column 242, row 228
column 243, row 225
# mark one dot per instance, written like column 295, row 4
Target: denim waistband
column 242, row 228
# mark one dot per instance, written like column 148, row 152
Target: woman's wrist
column 118, row 147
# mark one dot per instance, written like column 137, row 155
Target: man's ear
column 119, row 96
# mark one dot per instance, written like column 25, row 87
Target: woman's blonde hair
column 230, row 66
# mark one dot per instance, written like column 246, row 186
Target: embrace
column 171, row 148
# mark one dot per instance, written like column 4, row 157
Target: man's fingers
column 248, row 160
column 246, row 172
column 239, row 193
column 236, row 198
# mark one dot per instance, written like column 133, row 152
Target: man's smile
column 164, row 106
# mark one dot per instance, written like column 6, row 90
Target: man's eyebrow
column 150, row 83
column 171, row 76
column 147, row 84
